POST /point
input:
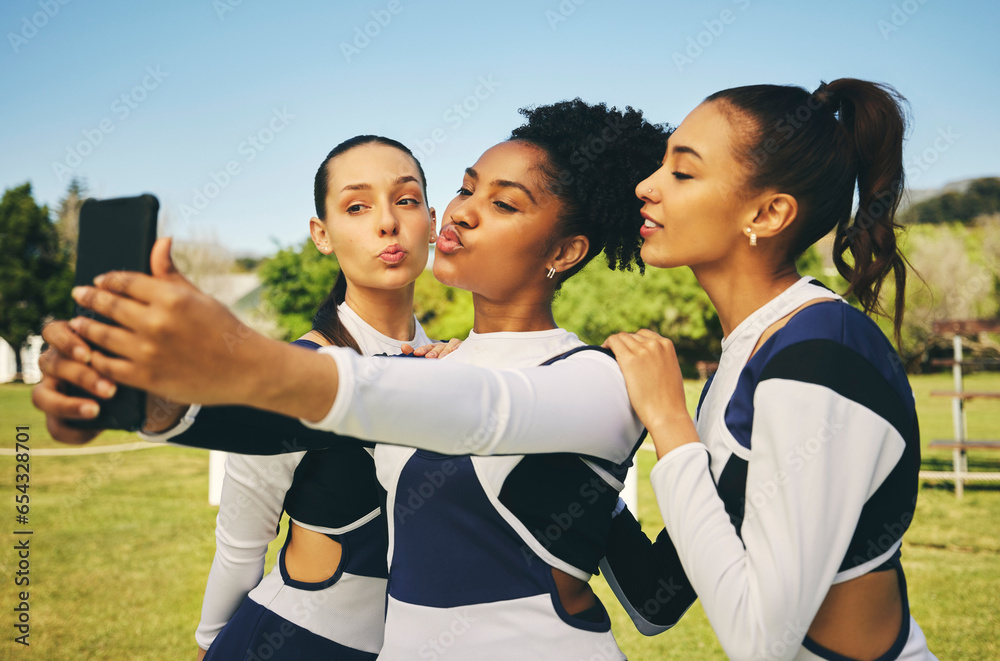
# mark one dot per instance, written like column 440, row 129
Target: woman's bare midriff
column 860, row 618
column 311, row 557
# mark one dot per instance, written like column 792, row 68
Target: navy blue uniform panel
column 334, row 487
column 452, row 548
column 650, row 574
column 256, row 633
column 836, row 346
column 247, row 430
column 704, row 391
column 732, row 487
column 365, row 548
column 565, row 505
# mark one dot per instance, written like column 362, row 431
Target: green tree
column 35, row 273
column 68, row 216
column 296, row 280
column 981, row 197
column 598, row 302
column 444, row 312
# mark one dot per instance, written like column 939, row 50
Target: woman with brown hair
column 785, row 502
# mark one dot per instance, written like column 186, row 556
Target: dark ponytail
column 817, row 148
column 327, row 319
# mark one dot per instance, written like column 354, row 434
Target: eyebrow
column 687, row 150
column 405, row 179
column 504, row 183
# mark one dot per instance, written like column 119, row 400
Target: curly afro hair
column 595, row 158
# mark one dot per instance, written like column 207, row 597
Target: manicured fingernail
column 105, row 388
column 76, row 293
column 75, row 324
column 81, row 354
column 98, row 280
column 90, row 410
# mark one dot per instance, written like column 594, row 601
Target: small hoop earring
column 551, row 272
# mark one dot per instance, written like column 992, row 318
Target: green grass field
column 122, row 544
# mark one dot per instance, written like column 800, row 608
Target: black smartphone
column 114, row 235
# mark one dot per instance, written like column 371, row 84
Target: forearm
column 672, row 430
column 579, row 405
column 244, row 430
column 253, row 494
column 286, row 379
column 647, row 578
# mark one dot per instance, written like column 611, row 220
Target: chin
column 657, row 257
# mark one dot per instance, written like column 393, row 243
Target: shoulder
column 582, row 351
column 837, row 347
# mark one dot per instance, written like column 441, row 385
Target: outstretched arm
column 176, row 342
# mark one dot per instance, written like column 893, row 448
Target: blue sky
column 163, row 97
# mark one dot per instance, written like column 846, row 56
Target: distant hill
column 961, row 201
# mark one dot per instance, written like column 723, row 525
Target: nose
column 388, row 224
column 646, row 191
column 464, row 215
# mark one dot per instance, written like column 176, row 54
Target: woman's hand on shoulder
column 655, row 387
column 434, row 350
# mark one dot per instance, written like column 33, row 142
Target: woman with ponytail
column 785, row 501
column 325, row 596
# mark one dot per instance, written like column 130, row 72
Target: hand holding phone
column 114, row 235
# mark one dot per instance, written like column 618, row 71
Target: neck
column 737, row 291
column 389, row 311
column 512, row 316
